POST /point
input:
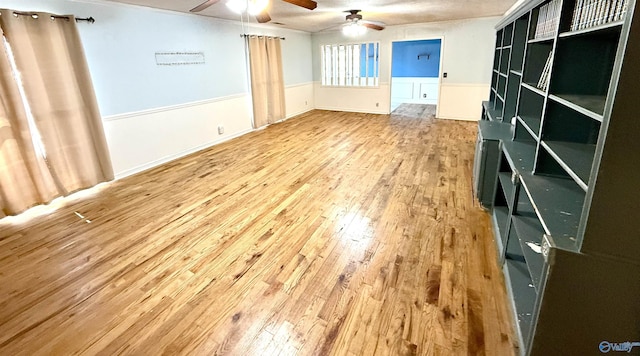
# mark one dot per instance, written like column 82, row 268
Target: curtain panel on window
column 23, row 175
column 267, row 81
column 73, row 154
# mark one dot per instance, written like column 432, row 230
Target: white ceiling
column 330, row 13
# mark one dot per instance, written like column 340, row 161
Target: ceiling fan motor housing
column 354, row 15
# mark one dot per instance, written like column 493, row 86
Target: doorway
column 415, row 77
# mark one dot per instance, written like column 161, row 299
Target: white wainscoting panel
column 353, row 99
column 142, row 140
column 402, row 91
column 462, row 101
column 299, row 99
column 414, row 91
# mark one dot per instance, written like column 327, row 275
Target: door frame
column 440, row 72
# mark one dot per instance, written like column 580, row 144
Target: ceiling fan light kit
column 237, row 6
column 253, row 7
column 257, row 8
column 353, row 29
column 356, row 26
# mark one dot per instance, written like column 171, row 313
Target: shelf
column 491, row 130
column 487, row 105
column 518, row 43
column 589, row 105
column 530, row 108
column 577, row 158
column 512, row 93
column 502, row 74
column 513, row 250
column 520, row 155
column 564, row 124
column 505, row 57
column 542, row 39
column 507, row 37
column 558, row 203
column 604, row 27
column 502, row 84
column 508, row 188
column 492, row 113
column 573, row 157
column 523, row 293
column 530, row 235
column 533, row 88
column 532, row 124
column 500, row 220
column 582, row 72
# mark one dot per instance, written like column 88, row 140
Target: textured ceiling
column 330, row 13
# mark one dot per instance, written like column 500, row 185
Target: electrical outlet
column 220, row 130
column 305, row 103
column 377, row 104
column 424, row 96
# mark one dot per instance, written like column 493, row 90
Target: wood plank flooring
column 327, row 234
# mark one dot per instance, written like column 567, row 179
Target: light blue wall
column 120, row 48
column 406, row 64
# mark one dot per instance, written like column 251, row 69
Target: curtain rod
column 89, row 19
column 248, row 35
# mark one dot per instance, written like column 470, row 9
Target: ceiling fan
column 355, row 19
column 262, row 16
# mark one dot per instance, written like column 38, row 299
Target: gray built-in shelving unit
column 566, row 206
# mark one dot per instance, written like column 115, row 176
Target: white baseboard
column 298, row 113
column 380, row 112
column 458, row 118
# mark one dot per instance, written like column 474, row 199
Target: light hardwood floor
column 330, row 233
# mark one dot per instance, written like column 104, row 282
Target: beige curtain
column 53, row 70
column 267, row 81
column 276, row 80
column 23, row 176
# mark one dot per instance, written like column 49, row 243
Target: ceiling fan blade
column 263, row 17
column 372, row 25
column 307, row 4
column 204, row 5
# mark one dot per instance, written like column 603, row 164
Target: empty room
column 300, row 177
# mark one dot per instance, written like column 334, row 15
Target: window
column 351, row 65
